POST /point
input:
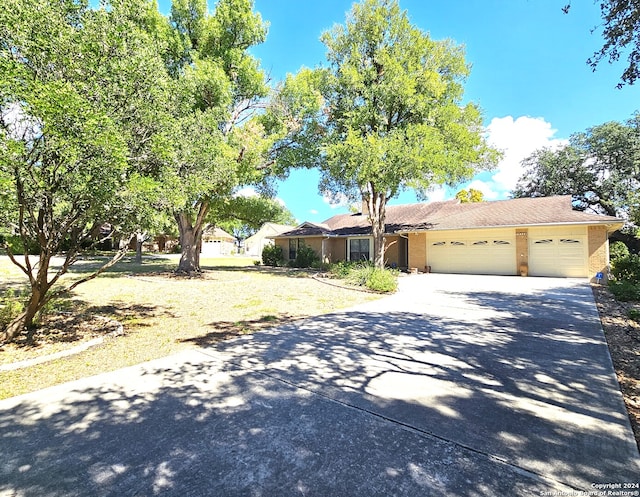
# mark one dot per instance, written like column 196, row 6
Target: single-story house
column 216, row 242
column 254, row 244
column 541, row 236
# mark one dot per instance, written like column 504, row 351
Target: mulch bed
column 623, row 338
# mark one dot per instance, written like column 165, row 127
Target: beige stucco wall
column 417, row 251
column 335, row 249
column 391, row 250
column 283, row 243
column 315, row 244
column 598, row 252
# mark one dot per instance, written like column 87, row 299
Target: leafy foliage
column 243, row 216
column 305, row 257
column 621, row 32
column 367, row 275
column 618, row 250
column 78, row 108
column 626, row 271
column 391, row 115
column 599, row 167
column 471, row 195
column 272, row 256
column 625, row 290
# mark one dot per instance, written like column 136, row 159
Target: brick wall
column 522, row 249
column 418, row 250
column 598, row 252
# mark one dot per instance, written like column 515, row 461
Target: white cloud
column 517, row 139
column 437, row 195
column 486, row 187
column 247, row 191
column 313, row 212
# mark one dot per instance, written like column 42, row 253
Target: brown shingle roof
column 451, row 214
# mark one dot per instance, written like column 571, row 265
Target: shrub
column 625, row 290
column 16, row 245
column 305, row 257
column 11, row 304
column 341, row 269
column 627, row 269
column 272, row 256
column 365, row 274
column 634, row 314
column 618, row 250
column 383, row 280
column 359, row 273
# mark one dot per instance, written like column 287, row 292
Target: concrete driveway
column 456, row 385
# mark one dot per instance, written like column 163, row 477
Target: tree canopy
column 470, row 195
column 219, row 137
column 389, row 112
column 621, row 33
column 78, row 95
column 600, row 168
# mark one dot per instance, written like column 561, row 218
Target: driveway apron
column 456, row 385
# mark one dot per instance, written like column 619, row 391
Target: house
column 217, row 242
column 541, row 236
column 255, row 243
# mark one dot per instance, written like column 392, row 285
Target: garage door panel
column 557, row 252
column 472, row 254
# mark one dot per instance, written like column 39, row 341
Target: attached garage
column 560, row 252
column 542, row 236
column 490, row 251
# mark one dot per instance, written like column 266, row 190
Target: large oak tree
column 392, row 114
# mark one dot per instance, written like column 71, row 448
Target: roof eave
column 611, row 225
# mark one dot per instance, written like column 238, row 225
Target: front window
column 359, row 249
column 293, row 248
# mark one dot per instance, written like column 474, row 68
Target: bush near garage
column 618, row 250
column 626, row 273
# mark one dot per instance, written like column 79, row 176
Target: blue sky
column 529, row 75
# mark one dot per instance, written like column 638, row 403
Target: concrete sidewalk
column 456, row 385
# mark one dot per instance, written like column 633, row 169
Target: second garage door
column 559, row 252
column 472, row 252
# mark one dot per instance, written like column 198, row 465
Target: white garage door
column 558, row 252
column 472, row 252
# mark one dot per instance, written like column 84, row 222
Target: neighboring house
column 216, row 241
column 254, row 244
column 541, row 236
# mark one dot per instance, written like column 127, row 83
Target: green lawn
column 163, row 314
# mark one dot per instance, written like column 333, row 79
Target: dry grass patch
column 163, row 314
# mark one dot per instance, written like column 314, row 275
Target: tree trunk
column 190, row 236
column 39, row 288
column 377, row 205
column 139, row 241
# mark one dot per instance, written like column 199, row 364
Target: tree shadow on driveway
column 190, row 427
column 525, row 378
column 483, row 397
